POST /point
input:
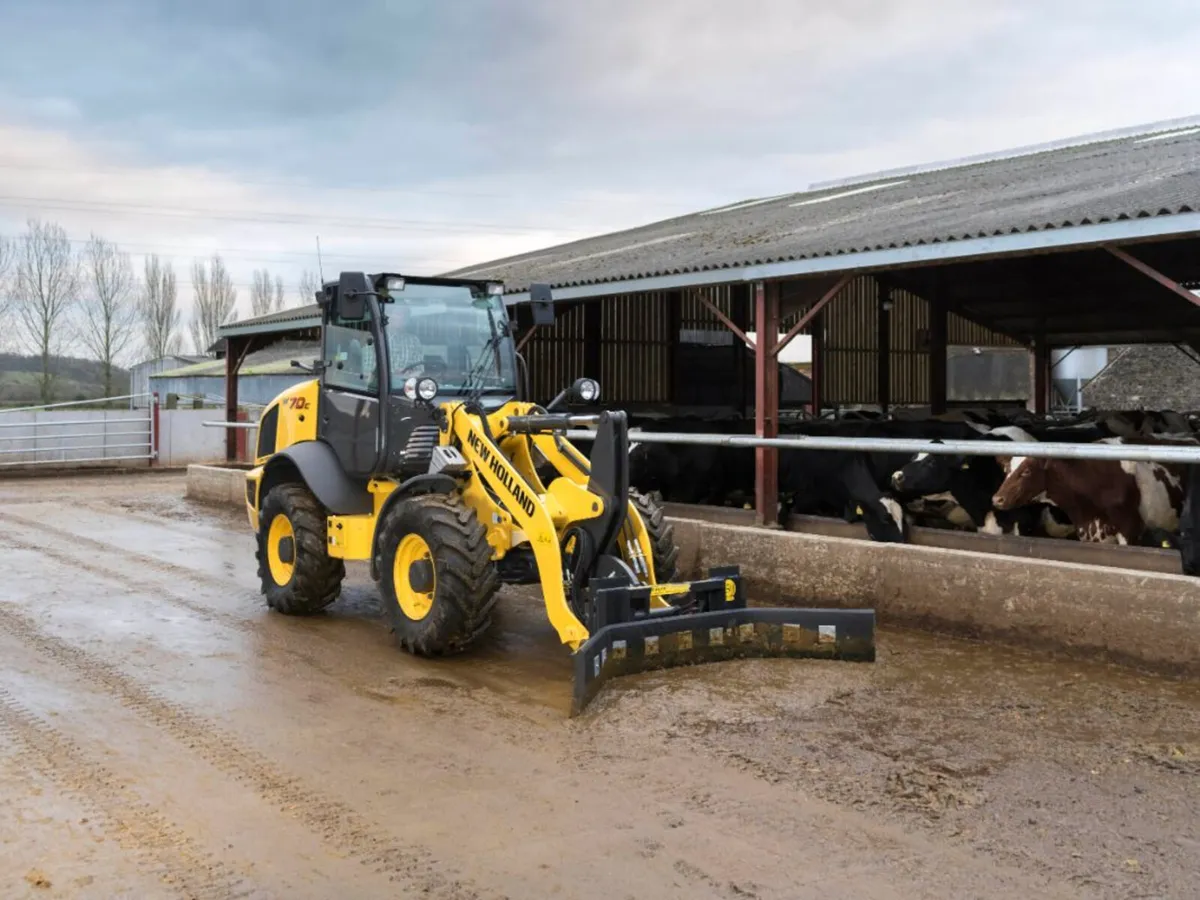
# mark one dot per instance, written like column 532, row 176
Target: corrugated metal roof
column 284, row 320
column 1135, row 177
column 273, row 360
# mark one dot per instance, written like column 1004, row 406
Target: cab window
column 350, row 355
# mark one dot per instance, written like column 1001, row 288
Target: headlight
column 495, row 290
column 427, row 388
column 587, row 390
column 393, row 284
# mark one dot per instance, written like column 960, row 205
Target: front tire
column 298, row 575
column 436, row 575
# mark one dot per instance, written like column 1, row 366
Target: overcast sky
column 423, row 135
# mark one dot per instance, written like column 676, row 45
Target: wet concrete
column 162, row 734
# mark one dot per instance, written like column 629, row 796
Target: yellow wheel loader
column 415, row 448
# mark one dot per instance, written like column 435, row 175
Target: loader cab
column 393, row 347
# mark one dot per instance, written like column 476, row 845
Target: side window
column 350, row 352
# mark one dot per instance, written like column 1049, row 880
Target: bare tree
column 215, row 301
column 158, row 307
column 46, row 288
column 309, row 285
column 260, row 293
column 7, row 249
column 109, row 309
column 266, row 296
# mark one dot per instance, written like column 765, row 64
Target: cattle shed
column 1092, row 242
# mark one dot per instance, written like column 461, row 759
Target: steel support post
column 766, row 400
column 1041, row 376
column 884, row 348
column 938, row 340
column 155, row 426
column 674, row 323
column 592, row 327
column 739, row 308
column 232, row 350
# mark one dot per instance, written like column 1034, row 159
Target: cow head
column 652, row 467
column 1025, row 481
column 928, row 474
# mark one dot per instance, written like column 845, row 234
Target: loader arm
column 570, row 463
column 620, row 532
column 633, row 540
column 532, row 511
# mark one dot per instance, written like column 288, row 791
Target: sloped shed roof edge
column 286, row 320
column 1179, row 224
column 1144, row 175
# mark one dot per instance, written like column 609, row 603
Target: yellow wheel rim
column 414, row 576
column 280, row 561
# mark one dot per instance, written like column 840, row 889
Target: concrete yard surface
column 163, row 735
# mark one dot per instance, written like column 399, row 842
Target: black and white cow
column 856, row 484
column 970, row 482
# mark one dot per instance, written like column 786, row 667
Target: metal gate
column 79, row 433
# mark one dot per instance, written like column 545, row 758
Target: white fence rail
column 73, row 433
column 1180, row 453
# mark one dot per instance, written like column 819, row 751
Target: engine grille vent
column 419, row 449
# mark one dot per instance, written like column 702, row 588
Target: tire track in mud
column 334, row 822
column 245, row 623
column 242, row 623
column 182, row 526
column 106, row 549
column 159, row 844
column 232, row 620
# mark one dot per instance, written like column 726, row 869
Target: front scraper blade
column 746, row 633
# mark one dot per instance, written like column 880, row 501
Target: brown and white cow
column 1106, row 500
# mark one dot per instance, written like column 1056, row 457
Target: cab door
column 349, row 405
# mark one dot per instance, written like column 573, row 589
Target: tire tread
column 317, row 580
column 467, row 582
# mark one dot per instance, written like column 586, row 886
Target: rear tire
column 310, row 579
column 436, row 575
column 662, row 537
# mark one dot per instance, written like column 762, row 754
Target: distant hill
column 75, row 379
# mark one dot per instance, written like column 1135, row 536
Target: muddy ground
column 163, row 735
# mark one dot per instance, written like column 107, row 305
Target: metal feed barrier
column 70, row 433
column 1185, row 454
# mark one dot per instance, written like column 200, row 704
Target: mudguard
column 323, row 473
column 721, row 627
column 418, row 484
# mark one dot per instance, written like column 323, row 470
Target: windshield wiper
column 469, row 387
column 476, row 371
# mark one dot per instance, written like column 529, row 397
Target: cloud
column 187, row 212
column 485, row 128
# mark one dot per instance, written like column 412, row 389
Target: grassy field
column 75, row 379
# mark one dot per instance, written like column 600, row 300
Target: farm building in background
column 262, row 376
column 1149, row 376
column 139, row 375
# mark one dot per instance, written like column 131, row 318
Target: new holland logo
column 503, row 473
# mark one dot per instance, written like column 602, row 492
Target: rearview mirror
column 542, row 303
column 353, row 288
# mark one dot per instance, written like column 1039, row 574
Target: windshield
column 444, row 332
